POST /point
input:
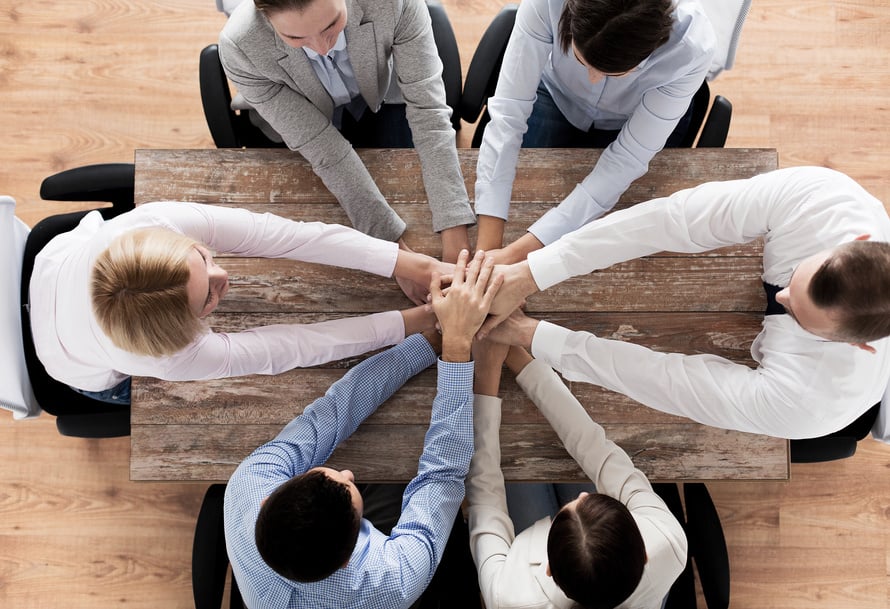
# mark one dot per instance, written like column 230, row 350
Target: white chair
column 727, row 18
column 16, row 394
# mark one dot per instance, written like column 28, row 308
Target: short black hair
column 596, row 552
column 307, row 528
column 614, row 36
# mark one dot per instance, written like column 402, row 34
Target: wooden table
column 202, row 430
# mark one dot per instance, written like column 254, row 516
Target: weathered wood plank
column 676, row 283
column 275, row 175
column 387, row 453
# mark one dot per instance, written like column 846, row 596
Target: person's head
column 315, row 24
column 595, row 551
column 307, row 528
column 843, row 294
column 612, row 37
column 151, row 289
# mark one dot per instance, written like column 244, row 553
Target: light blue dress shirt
column 646, row 104
column 335, row 72
column 384, row 572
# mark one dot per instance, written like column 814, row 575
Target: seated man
column 294, row 528
column 823, row 356
column 631, row 544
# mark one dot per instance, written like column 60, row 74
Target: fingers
column 460, row 268
column 490, row 324
column 435, row 287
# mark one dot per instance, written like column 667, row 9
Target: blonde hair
column 139, row 295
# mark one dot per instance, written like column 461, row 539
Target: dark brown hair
column 307, row 528
column 273, row 6
column 854, row 282
column 596, row 552
column 614, row 36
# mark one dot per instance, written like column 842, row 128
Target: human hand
column 413, row 272
column 516, row 329
column 518, row 284
column 462, row 309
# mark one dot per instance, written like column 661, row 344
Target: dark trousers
column 455, row 583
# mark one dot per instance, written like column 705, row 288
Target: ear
column 864, row 237
column 547, row 570
column 864, row 347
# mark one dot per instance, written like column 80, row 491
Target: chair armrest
column 209, row 559
column 707, row 545
column 716, row 127
column 216, row 98
column 111, row 182
column 819, row 450
column 446, row 44
column 485, row 66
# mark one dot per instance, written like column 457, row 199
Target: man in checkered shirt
column 294, row 528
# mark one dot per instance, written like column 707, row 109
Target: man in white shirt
column 821, row 364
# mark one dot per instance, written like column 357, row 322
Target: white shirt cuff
column 548, row 343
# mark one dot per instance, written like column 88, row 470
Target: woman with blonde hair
column 128, row 296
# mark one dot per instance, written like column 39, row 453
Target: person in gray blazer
column 318, row 71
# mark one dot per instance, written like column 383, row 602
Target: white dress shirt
column 803, row 385
column 512, row 572
column 646, row 104
column 75, row 351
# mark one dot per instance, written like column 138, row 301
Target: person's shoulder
column 245, row 24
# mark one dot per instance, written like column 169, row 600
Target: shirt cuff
column 451, row 215
column 548, row 343
column 492, row 200
column 486, row 401
column 455, row 377
column 419, row 348
column 546, row 266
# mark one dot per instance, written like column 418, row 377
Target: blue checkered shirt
column 384, row 572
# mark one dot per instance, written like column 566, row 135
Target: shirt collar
column 338, row 47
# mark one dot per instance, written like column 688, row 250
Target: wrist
column 456, row 349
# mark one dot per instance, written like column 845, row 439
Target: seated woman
column 328, row 75
column 128, row 296
column 613, row 74
column 618, row 547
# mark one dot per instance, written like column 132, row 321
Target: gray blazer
column 382, row 36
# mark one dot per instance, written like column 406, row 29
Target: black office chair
column 838, row 445
column 707, row 547
column 485, row 67
column 711, row 125
column 233, row 129
column 76, row 415
column 454, row 585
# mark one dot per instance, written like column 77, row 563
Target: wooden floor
column 85, row 81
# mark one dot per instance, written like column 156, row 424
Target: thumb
column 490, row 324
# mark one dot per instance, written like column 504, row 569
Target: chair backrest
column 16, row 394
column 234, row 129
column 727, row 18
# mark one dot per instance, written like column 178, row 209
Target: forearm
column 278, row 348
column 454, row 240
column 490, row 234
